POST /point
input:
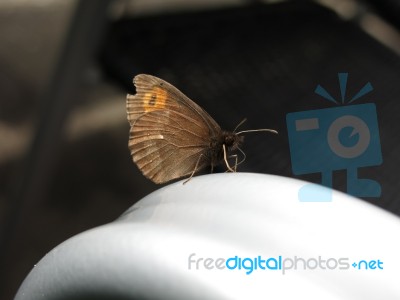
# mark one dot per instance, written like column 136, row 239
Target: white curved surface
column 145, row 253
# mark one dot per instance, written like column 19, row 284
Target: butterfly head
column 231, row 140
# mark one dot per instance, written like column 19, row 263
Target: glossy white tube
column 147, row 252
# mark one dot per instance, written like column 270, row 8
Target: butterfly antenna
column 238, row 125
column 257, row 130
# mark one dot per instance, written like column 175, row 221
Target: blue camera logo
column 345, row 137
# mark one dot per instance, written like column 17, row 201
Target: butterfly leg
column 194, row 170
column 226, row 160
column 236, row 162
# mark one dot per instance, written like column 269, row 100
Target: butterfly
column 171, row 136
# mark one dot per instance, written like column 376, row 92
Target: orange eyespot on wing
column 155, row 99
column 152, row 94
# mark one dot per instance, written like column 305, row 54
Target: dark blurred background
column 66, row 67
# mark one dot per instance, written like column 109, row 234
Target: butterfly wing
column 153, row 93
column 170, row 134
column 165, row 145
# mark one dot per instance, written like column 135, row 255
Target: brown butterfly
column 173, row 137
